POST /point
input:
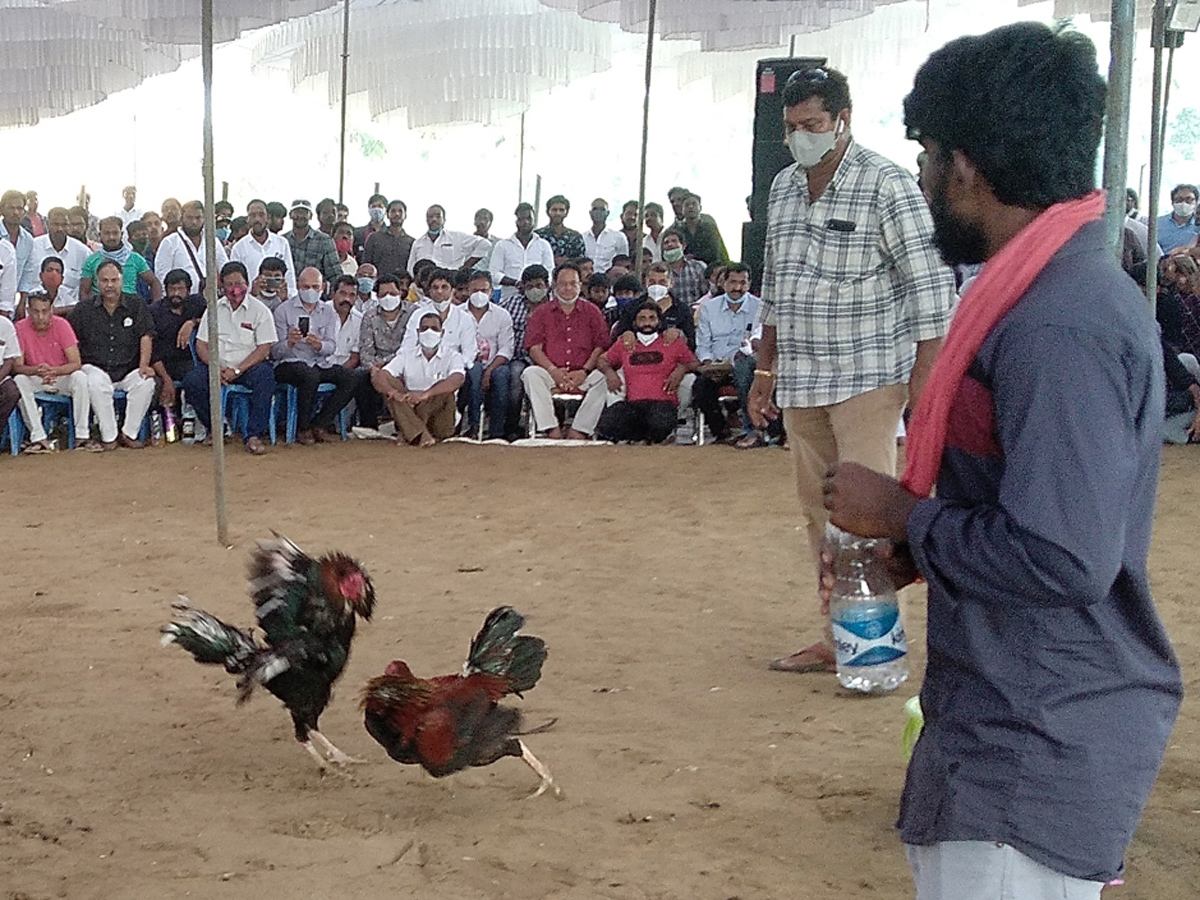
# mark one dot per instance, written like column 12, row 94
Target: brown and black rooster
column 448, row 723
column 307, row 610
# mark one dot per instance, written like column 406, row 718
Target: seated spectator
column 458, row 326
column 597, row 291
column 70, row 253
column 381, row 335
column 116, row 340
column 653, row 371
column 185, row 249
column 715, row 274
column 488, row 372
column 245, row 336
column 343, row 242
column 133, row 265
column 513, row 255
column 418, row 385
column 364, row 281
column 626, row 294
column 675, row 317
column 1182, row 423
column 10, row 352
column 175, row 316
column 462, row 286
column 349, row 331
column 564, row 339
column 270, row 286
column 263, row 243
column 687, row 275
column 449, row 249
column 532, row 291
column 726, row 345
column 307, row 339
column 49, row 361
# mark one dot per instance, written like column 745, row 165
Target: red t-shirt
column 49, row 349
column 646, row 367
column 568, row 340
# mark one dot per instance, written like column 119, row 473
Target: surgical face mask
column 223, row 234
column 429, row 339
column 674, row 255
column 808, row 149
column 237, row 293
column 389, row 302
column 1185, row 210
column 536, row 295
column 434, row 232
column 599, row 216
column 441, row 305
column 656, row 292
column 309, row 295
column 480, row 299
column 365, row 285
column 647, row 339
column 564, row 301
column 376, row 213
column 343, row 246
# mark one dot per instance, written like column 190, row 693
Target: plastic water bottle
column 169, row 430
column 868, row 633
column 187, row 430
column 156, row 428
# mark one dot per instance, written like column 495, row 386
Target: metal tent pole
column 637, row 251
column 216, row 413
column 1156, row 130
column 345, row 75
column 1116, row 128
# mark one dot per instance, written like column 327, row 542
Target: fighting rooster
column 307, row 610
column 448, row 723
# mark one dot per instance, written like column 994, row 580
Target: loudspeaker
column 769, row 154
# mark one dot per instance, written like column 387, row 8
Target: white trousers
column 987, row 870
column 139, row 394
column 74, row 386
column 539, row 387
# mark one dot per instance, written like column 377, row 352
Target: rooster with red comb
column 307, row 610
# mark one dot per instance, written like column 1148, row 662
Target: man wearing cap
column 311, row 248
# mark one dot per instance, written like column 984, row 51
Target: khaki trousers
column 861, row 429
column 435, row 415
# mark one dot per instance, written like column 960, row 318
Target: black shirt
column 167, row 323
column 677, row 315
column 112, row 342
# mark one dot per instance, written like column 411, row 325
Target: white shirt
column 173, row 254
column 8, row 279
column 250, row 253
column 493, row 334
column 73, row 255
column 419, row 373
column 365, row 306
column 458, row 329
column 654, row 245
column 347, row 337
column 128, row 215
column 602, row 249
column 10, row 348
column 510, row 258
column 450, row 250
column 239, row 331
column 349, row 265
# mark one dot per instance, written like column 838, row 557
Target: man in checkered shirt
column 855, row 302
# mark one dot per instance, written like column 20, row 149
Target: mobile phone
column 303, row 325
column 274, row 281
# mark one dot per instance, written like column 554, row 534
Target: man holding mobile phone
column 307, row 331
column 271, row 285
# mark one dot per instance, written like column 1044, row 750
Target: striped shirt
column 852, row 281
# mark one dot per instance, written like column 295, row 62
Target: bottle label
column 870, row 642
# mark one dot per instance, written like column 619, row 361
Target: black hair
column 177, row 276
column 238, row 222
column 533, row 272
column 262, row 203
column 678, row 232
column 622, row 259
column 387, row 279
column 712, row 267
column 1023, row 103
column 523, row 207
column 597, row 279
column 277, row 210
column 648, row 304
column 429, row 315
column 338, row 225
column 272, row 264
column 480, row 273
column 823, row 82
column 421, row 265
column 223, row 204
column 105, row 263
column 324, row 204
column 343, row 280
column 377, row 198
column 485, row 211
column 1184, row 187
column 440, row 274
column 570, row 265
column 399, row 203
column 233, row 267
column 462, row 277
column 558, row 198
column 49, row 260
column 627, row 283
column 656, row 207
column 739, row 267
column 629, row 203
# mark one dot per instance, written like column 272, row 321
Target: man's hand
column 43, row 371
column 897, row 559
column 572, row 380
column 867, row 503
column 628, row 340
column 614, row 381
column 49, row 380
column 313, row 340
column 294, row 336
column 674, row 380
column 228, row 376
column 412, row 398
column 185, row 333
column 670, row 336
column 558, row 376
column 762, row 407
column 487, row 379
column 146, row 371
column 166, row 396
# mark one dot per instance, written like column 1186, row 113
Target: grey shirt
column 322, row 321
column 1051, row 687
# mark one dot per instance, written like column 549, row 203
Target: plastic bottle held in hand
column 868, row 633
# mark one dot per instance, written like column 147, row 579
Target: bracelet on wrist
column 765, row 373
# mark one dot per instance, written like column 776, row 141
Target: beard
column 958, row 242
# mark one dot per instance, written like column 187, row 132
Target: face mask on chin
column 564, row 301
column 674, row 255
column 647, row 338
column 441, row 305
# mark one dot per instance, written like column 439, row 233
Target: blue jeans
column 497, row 399
column 260, row 379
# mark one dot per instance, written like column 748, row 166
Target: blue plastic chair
column 292, row 410
column 54, row 408
column 14, row 432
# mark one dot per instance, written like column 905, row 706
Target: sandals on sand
column 813, row 658
column 36, row 448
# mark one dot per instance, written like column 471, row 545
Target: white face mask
column 480, row 299
column 565, row 302
column 647, row 339
column 1185, row 210
column 657, row 291
column 429, row 339
column 808, row 149
column 389, row 302
column 441, row 305
column 309, row 296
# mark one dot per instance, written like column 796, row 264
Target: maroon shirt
column 568, row 340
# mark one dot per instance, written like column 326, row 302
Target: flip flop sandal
column 35, row 449
column 813, row 658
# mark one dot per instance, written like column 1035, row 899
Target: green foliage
column 1185, row 132
column 372, row 148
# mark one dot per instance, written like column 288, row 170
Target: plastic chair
column 14, row 431
column 292, row 410
column 56, row 407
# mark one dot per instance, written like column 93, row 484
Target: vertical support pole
column 1116, row 119
column 537, row 199
column 521, row 165
column 1156, row 130
column 650, row 21
column 345, row 81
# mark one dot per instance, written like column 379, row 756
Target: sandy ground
column 663, row 579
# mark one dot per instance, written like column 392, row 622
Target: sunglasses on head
column 815, row 75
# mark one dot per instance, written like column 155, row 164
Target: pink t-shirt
column 46, row 349
column 646, row 368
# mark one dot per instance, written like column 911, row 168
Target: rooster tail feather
column 208, row 639
column 498, row 650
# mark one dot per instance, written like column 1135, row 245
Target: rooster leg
column 321, row 763
column 540, row 768
column 333, row 753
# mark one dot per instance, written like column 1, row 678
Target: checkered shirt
column 852, row 281
column 518, row 308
